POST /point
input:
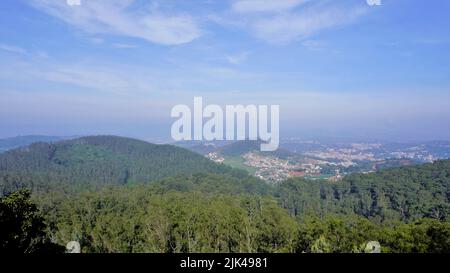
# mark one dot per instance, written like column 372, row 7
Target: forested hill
column 397, row 194
column 242, row 147
column 97, row 160
column 239, row 147
column 219, row 213
column 199, row 206
column 405, row 194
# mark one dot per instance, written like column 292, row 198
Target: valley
column 114, row 194
column 314, row 160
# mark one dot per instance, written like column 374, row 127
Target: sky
column 336, row 67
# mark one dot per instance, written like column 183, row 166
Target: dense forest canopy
column 242, row 147
column 140, row 219
column 116, row 194
column 97, row 161
column 401, row 193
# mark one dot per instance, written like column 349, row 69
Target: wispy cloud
column 122, row 18
column 102, row 79
column 42, row 55
column 279, row 22
column 12, row 49
column 314, row 45
column 302, row 24
column 285, row 21
column 249, row 6
column 430, row 41
column 238, row 58
column 81, row 77
column 97, row 40
column 125, row 46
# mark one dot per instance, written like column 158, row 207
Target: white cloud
column 119, row 18
column 314, row 45
column 42, row 55
column 97, row 41
column 107, row 80
column 275, row 21
column 237, row 58
column 12, row 49
column 125, row 46
column 249, row 6
column 124, row 80
column 89, row 77
column 302, row 24
column 283, row 22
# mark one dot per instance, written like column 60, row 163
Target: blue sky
column 337, row 68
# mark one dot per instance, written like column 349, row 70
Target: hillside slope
column 404, row 193
column 97, row 160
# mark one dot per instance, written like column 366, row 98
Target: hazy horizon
column 338, row 69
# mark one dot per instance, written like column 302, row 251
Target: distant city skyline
column 336, row 68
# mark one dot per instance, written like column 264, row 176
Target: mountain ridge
column 11, row 143
column 99, row 160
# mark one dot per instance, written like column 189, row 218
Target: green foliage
column 96, row 191
column 345, row 234
column 336, row 234
column 238, row 162
column 93, row 162
column 138, row 220
column 421, row 236
column 239, row 148
column 235, row 150
column 22, row 228
column 214, row 183
column 404, row 194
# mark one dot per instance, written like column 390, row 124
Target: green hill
column 239, row 147
column 195, row 205
column 405, row 193
column 97, row 161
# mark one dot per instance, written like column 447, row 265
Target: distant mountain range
column 20, row 141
